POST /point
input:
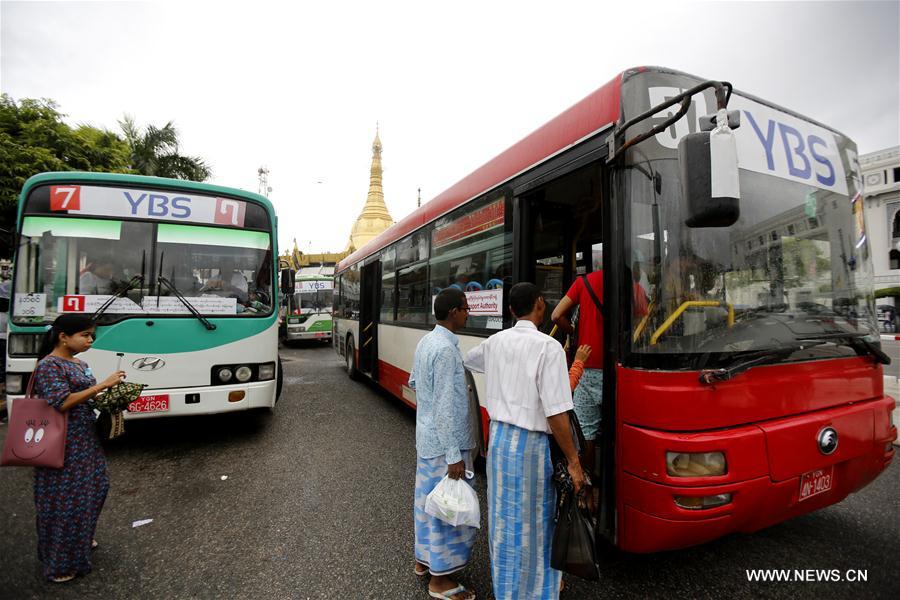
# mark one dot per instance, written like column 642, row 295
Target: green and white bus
column 178, row 275
column 309, row 310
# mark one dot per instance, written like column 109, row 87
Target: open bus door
column 558, row 235
column 368, row 318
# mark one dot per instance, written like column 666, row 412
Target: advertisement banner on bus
column 769, row 141
column 145, row 204
column 301, row 287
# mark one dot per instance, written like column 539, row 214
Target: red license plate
column 816, row 482
column 146, row 404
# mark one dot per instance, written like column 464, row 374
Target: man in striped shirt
column 527, row 399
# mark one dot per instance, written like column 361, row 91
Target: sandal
column 62, row 579
column 448, row 594
column 420, row 573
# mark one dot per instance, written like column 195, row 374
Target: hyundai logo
column 828, row 441
column 148, row 363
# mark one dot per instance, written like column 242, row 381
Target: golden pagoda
column 374, row 217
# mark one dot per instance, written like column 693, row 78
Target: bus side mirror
column 287, row 281
column 709, row 178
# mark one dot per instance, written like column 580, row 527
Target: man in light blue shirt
column 445, row 443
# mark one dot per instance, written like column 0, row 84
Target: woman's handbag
column 111, row 403
column 36, row 434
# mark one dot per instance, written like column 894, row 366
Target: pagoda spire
column 374, row 217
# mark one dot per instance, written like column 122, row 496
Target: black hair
column 447, row 299
column 70, row 324
column 522, row 298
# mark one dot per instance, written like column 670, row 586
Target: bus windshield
column 794, row 267
column 317, row 301
column 76, row 264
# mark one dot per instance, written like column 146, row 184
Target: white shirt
column 527, row 379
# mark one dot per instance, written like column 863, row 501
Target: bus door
column 558, row 236
column 370, row 294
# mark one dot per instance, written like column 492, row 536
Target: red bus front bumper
column 766, row 462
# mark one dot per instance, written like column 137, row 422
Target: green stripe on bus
column 176, row 335
column 213, row 236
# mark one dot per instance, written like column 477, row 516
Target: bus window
column 87, row 258
column 350, row 293
column 471, row 252
column 388, row 296
column 413, row 297
column 210, row 263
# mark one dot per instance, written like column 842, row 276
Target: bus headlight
column 266, row 371
column 703, row 464
column 243, row 374
column 14, row 383
column 225, row 374
column 702, row 502
column 25, row 344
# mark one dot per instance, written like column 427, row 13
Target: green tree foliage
column 154, row 151
column 34, row 138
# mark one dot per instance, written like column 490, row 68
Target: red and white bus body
column 683, row 461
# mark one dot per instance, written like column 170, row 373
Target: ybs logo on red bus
column 65, row 197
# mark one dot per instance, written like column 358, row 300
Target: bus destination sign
column 146, row 204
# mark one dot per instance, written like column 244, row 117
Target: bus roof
column 593, row 113
column 144, row 180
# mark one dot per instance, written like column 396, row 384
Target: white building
column 881, row 179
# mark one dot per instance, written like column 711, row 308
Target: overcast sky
column 299, row 87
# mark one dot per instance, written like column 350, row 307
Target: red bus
column 751, row 391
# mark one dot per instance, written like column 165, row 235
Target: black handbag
column 572, row 550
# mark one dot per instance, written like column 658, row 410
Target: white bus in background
column 309, row 308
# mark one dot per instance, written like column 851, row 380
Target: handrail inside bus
column 686, row 305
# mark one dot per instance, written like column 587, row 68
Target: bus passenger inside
column 229, row 282
column 96, row 278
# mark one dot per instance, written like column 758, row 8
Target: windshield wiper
column 857, row 341
column 161, row 280
column 754, row 359
column 124, row 290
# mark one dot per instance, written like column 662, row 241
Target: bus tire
column 279, row 381
column 350, row 352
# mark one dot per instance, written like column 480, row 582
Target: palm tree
column 155, row 152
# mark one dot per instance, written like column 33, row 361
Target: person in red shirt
column 589, row 393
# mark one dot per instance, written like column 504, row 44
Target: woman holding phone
column 68, row 500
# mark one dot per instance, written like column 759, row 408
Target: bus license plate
column 146, row 404
column 816, row 482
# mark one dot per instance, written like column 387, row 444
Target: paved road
column 891, row 347
column 317, row 505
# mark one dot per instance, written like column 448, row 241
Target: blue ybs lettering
column 767, row 140
column 181, row 207
column 134, row 203
column 797, row 151
column 816, row 140
column 159, row 205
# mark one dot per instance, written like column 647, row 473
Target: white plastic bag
column 453, row 501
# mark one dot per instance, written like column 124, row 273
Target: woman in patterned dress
column 68, row 500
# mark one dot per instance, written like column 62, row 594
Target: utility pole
column 264, row 187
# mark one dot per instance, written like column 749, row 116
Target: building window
column 896, row 174
column 896, row 228
column 894, row 259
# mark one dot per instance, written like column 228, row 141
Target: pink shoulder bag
column 36, row 435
